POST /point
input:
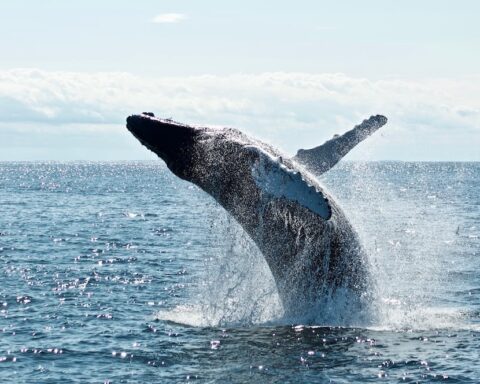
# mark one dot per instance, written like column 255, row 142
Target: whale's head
column 171, row 141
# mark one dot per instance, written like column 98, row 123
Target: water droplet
column 215, row 344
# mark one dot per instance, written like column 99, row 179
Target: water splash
column 236, row 288
column 408, row 223
column 415, row 245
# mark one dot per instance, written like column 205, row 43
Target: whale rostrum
column 307, row 241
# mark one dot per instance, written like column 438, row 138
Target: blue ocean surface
column 122, row 273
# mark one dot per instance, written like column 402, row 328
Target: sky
column 291, row 73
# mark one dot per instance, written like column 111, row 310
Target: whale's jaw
column 170, row 140
column 159, row 135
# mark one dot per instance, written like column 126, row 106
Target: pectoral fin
column 320, row 159
column 278, row 181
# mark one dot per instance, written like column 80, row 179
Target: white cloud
column 169, row 18
column 291, row 110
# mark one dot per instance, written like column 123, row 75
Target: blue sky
column 292, row 73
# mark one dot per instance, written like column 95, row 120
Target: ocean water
column 122, row 273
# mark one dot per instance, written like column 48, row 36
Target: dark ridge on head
column 147, row 128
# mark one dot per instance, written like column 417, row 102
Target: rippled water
column 120, row 272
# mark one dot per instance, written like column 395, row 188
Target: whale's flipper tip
column 382, row 120
column 376, row 121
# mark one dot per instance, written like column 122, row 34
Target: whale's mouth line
column 164, row 137
column 137, row 124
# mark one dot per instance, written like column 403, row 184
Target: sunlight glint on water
column 105, row 267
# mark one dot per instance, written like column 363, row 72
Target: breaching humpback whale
column 310, row 247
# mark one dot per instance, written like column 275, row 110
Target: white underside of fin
column 276, row 180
